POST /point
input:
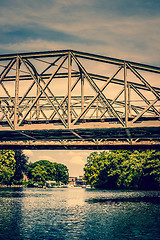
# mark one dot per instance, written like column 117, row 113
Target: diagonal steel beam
column 65, row 98
column 96, row 88
column 3, row 74
column 76, row 134
column 46, row 85
column 91, row 102
column 145, row 110
column 7, row 93
column 39, row 86
column 7, row 69
column 121, row 82
column 145, row 99
column 137, row 74
column 118, row 95
column 52, row 64
column 8, row 119
column 42, row 90
column 59, row 106
column 29, row 89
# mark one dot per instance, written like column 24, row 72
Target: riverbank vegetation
column 41, row 171
column 14, row 166
column 124, row 169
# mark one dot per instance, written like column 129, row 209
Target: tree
column 7, row 166
column 44, row 170
column 20, row 166
column 92, row 168
column 61, row 173
column 151, row 171
column 110, row 170
column 124, row 169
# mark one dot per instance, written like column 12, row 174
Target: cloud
column 128, row 8
column 122, row 29
column 19, row 34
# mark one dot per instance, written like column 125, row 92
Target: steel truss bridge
column 75, row 100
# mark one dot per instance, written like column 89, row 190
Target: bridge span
column 75, row 100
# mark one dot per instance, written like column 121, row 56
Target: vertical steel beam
column 129, row 101
column 69, row 88
column 16, row 104
column 125, row 95
column 82, row 92
column 37, row 105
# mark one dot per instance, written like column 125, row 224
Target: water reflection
column 77, row 213
column 10, row 213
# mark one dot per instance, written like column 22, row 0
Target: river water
column 76, row 213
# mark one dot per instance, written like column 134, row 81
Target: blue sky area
column 119, row 28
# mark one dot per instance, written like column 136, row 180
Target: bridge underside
column 74, row 100
column 96, row 138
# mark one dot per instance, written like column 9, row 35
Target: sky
column 123, row 29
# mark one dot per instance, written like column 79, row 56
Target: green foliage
column 44, row 170
column 124, row 169
column 7, row 166
column 20, row 166
column 61, row 174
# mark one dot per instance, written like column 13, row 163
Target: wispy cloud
column 123, row 29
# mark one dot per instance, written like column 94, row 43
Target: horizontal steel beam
column 77, row 74
column 81, row 145
column 117, row 61
column 34, row 55
column 85, row 55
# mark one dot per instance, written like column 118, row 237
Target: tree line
column 14, row 165
column 124, row 169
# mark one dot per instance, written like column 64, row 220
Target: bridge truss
column 74, row 100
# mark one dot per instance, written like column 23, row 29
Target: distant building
column 74, row 181
column 80, row 181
